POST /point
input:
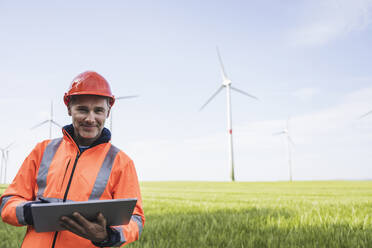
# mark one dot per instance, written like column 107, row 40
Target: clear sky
column 310, row 60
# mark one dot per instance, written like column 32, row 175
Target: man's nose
column 90, row 116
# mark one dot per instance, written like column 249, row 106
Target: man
column 81, row 166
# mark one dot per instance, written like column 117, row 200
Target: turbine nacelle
column 285, row 131
column 50, row 121
column 226, row 82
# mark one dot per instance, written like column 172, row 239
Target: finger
column 101, row 220
column 72, row 225
column 74, row 231
column 68, row 228
column 81, row 220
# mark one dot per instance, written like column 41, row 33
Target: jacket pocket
column 62, row 179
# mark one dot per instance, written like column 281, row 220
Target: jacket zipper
column 66, row 192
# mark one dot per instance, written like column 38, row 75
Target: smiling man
column 88, row 114
column 82, row 165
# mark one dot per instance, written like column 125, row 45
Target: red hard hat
column 89, row 83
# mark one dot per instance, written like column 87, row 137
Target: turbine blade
column 224, row 76
column 279, row 133
column 55, row 123
column 6, row 148
column 362, row 116
column 38, row 125
column 125, row 97
column 210, row 99
column 243, row 92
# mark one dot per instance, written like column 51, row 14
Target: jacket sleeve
column 127, row 186
column 21, row 190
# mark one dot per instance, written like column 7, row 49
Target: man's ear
column 69, row 110
column 108, row 113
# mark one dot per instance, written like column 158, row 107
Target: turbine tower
column 226, row 83
column 50, row 120
column 290, row 143
column 119, row 98
column 4, row 162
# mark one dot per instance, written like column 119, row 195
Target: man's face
column 88, row 114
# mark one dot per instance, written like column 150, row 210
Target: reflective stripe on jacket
column 57, row 171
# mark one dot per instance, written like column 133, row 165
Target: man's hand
column 94, row 231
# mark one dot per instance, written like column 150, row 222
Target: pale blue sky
column 310, row 60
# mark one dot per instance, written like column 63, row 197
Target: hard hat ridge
column 89, row 83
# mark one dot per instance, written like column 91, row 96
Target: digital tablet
column 46, row 216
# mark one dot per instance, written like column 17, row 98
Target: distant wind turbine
column 4, row 162
column 50, row 120
column 290, row 143
column 226, row 83
column 119, row 98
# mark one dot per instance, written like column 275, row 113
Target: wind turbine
column 50, row 120
column 290, row 143
column 4, row 162
column 119, row 98
column 226, row 83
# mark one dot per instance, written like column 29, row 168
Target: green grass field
column 222, row 214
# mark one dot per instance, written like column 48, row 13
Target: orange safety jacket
column 56, row 170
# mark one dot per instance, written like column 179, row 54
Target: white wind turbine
column 290, row 143
column 226, row 83
column 50, row 120
column 119, row 98
column 4, row 162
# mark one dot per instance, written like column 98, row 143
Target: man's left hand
column 94, row 231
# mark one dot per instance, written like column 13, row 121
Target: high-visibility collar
column 105, row 136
